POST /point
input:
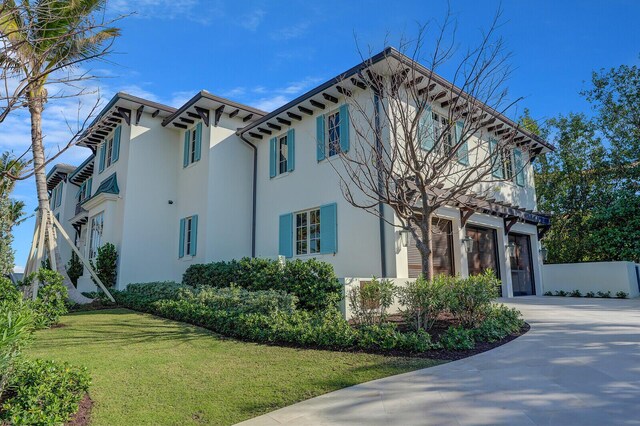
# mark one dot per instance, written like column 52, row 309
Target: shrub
column 74, row 268
column 16, row 326
column 50, row 304
column 8, row 291
column 548, row 293
column 425, row 300
column 472, row 296
column 575, row 293
column 141, row 296
column 500, row 322
column 44, row 393
column 457, row 338
column 622, row 295
column 107, row 264
column 370, row 300
column 605, row 295
column 240, row 300
column 590, row 294
column 312, row 282
column 560, row 293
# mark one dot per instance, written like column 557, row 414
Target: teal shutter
column 463, row 151
column 88, row 187
column 517, row 157
column 198, row 141
column 496, row 159
column 194, row 234
column 320, row 138
column 115, row 153
column 181, row 247
column 328, row 228
column 285, row 245
column 59, row 195
column 291, row 150
column 344, row 128
column 273, row 156
column 103, row 153
column 425, row 129
column 185, row 160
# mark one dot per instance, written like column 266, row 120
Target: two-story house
column 217, row 180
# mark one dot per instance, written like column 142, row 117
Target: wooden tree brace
column 84, row 261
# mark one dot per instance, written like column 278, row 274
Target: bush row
column 313, row 282
column 271, row 317
column 589, row 294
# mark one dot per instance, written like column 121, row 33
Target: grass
column 147, row 370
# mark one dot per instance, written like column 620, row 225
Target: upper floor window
column 332, row 133
column 283, row 154
column 192, row 145
column 85, row 190
column 110, row 150
column 56, row 196
column 442, row 132
column 507, row 163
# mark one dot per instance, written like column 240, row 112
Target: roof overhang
column 345, row 84
column 58, row 173
column 83, row 172
column 200, row 106
column 122, row 108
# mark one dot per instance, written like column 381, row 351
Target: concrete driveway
column 578, row 365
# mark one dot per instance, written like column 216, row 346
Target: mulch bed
column 83, row 416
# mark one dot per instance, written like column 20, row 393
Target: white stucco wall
column 593, row 276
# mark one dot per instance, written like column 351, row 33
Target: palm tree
column 11, row 211
column 42, row 38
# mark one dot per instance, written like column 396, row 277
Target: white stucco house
column 217, row 180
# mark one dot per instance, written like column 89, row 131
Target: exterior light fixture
column 468, row 243
column 544, row 252
column 511, row 250
column 404, row 236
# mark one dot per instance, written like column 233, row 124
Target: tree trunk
column 36, row 106
column 423, row 244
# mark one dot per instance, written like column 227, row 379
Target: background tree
column 400, row 158
column 591, row 181
column 11, row 211
column 75, row 269
column 42, row 44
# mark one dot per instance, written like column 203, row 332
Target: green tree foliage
column 591, row 181
column 107, row 264
column 10, row 210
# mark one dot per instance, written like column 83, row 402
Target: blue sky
column 265, row 53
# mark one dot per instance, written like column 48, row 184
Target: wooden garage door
column 442, row 249
column 485, row 250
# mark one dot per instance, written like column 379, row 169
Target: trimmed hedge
column 313, row 282
column 140, row 296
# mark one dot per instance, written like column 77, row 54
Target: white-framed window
column 333, row 134
column 188, row 236
column 442, row 132
column 508, row 165
column 283, row 154
column 307, row 237
column 109, row 155
column 95, row 238
column 193, row 143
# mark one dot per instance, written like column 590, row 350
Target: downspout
column 383, row 251
column 253, row 207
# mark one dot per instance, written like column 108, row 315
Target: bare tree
column 418, row 148
column 42, row 46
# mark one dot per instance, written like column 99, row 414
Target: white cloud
column 200, row 11
column 252, row 20
column 269, row 104
column 291, row 31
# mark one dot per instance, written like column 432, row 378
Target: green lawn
column 147, row 370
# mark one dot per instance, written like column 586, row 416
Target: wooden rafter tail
column 84, row 261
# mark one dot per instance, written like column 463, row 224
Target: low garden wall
column 593, row 277
column 349, row 283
